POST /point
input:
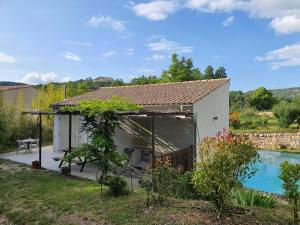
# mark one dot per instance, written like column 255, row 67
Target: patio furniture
column 34, row 145
column 26, row 144
column 144, row 160
column 79, row 161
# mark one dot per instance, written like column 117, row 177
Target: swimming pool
column 267, row 177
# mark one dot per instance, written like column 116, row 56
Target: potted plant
column 35, row 164
column 65, row 170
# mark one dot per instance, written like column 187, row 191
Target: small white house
column 186, row 113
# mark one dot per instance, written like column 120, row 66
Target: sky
column 258, row 42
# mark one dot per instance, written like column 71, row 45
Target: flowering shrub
column 234, row 120
column 225, row 161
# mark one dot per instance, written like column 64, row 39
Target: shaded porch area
column 48, row 163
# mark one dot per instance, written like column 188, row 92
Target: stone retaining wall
column 276, row 140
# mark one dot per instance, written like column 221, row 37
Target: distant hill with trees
column 10, row 83
column 286, row 92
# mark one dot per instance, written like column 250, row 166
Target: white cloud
column 106, row 21
column 38, row 78
column 284, row 15
column 156, row 10
column 42, row 78
column 86, row 44
column 229, row 21
column 214, row 5
column 4, row 58
column 72, row 56
column 66, row 79
column 163, row 45
column 145, row 70
column 108, row 54
column 156, row 57
column 282, row 57
column 130, row 51
column 286, row 24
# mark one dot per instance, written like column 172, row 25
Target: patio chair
column 144, row 160
column 34, row 145
column 21, row 146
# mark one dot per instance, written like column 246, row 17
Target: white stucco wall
column 215, row 104
column 10, row 96
column 61, row 132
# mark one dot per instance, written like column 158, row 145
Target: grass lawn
column 42, row 197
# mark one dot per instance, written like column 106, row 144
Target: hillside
column 286, row 92
column 9, row 83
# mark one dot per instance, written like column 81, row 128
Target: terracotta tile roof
column 7, row 88
column 154, row 94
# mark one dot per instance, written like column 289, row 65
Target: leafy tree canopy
column 238, row 100
column 262, row 99
column 181, row 70
column 142, row 80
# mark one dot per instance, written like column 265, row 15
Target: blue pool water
column 267, row 177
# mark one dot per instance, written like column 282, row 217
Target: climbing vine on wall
column 100, row 122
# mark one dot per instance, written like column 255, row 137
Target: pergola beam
column 122, row 113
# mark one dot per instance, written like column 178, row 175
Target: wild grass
column 250, row 198
column 43, row 197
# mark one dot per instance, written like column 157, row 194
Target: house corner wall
column 211, row 114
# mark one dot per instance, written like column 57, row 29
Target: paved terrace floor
column 89, row 171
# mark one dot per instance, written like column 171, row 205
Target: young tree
column 181, row 70
column 290, row 175
column 225, row 161
column 262, row 99
column 100, row 122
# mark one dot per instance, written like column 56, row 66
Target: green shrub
column 117, row 185
column 225, row 161
column 248, row 123
column 261, row 122
column 286, row 113
column 251, row 198
column 164, row 182
column 185, row 188
column 168, row 182
column 290, row 175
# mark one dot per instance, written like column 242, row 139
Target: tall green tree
column 181, row 70
column 220, row 73
column 77, row 88
column 262, row 99
column 237, row 100
column 209, row 73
